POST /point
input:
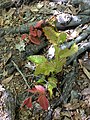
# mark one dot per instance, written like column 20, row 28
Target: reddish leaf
column 31, row 28
column 39, row 33
column 33, row 31
column 28, row 102
column 33, row 90
column 40, row 89
column 24, row 36
column 43, row 101
column 39, row 24
column 34, row 40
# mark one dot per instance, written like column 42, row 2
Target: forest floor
column 14, row 65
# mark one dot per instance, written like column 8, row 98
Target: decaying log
column 77, row 40
column 15, row 30
column 70, row 21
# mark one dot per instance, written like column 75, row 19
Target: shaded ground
column 77, row 106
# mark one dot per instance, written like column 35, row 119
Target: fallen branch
column 80, row 38
column 84, row 47
column 21, row 73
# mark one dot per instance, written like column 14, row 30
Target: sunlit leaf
column 43, row 101
column 68, row 52
column 37, row 59
column 37, row 89
column 40, row 89
column 41, row 80
column 51, row 34
column 44, row 68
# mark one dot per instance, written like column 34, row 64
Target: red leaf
column 28, row 102
column 33, row 90
column 24, row 36
column 40, row 89
column 39, row 33
column 43, row 101
column 31, row 28
column 34, row 40
column 39, row 24
column 33, row 31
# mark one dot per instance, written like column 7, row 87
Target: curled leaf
column 34, row 40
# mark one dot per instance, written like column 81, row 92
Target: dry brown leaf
column 66, row 113
column 86, row 91
column 86, row 72
column 1, row 21
column 7, row 57
column 7, row 80
column 73, row 106
column 56, row 115
column 84, row 68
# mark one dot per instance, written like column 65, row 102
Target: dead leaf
column 86, row 72
column 73, row 34
column 86, row 91
column 66, row 113
column 7, row 80
column 85, row 66
column 11, row 12
column 20, row 46
column 39, row 5
column 1, row 21
column 72, row 106
column 56, row 115
column 34, row 9
column 7, row 57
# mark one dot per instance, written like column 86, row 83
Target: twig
column 20, row 73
